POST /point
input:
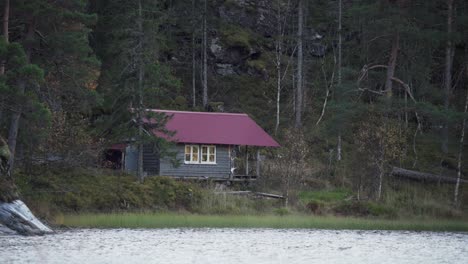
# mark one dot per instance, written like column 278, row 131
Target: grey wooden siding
column 131, row 158
column 150, row 160
column 221, row 169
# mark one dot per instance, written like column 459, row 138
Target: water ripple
column 207, row 245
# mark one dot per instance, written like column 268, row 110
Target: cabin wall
column 150, row 160
column 131, row 158
column 221, row 169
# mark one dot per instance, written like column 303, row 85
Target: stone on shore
column 17, row 217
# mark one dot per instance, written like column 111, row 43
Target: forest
column 361, row 95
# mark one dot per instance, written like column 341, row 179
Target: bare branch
column 371, row 91
column 328, row 87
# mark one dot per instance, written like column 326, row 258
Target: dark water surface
column 222, row 246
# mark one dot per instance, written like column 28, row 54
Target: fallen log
column 269, row 195
column 256, row 194
column 423, row 176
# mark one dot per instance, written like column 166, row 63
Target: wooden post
column 246, row 160
column 231, row 165
column 258, row 162
column 122, row 161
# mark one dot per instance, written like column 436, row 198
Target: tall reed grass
column 174, row 220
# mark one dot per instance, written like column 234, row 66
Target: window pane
column 204, row 157
column 212, row 158
column 212, row 150
column 195, row 153
column 187, row 153
column 204, row 150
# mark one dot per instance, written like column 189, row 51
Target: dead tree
column 300, row 62
column 449, row 52
column 423, row 176
column 140, row 93
column 462, row 139
column 340, row 42
column 205, row 59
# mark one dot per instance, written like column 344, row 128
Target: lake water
column 223, row 246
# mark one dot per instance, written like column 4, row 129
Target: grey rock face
column 6, row 231
column 256, row 15
column 216, row 48
column 224, row 69
column 17, row 216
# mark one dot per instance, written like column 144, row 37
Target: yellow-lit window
column 191, row 153
column 195, row 150
column 204, row 154
column 208, row 154
column 194, row 154
column 188, row 151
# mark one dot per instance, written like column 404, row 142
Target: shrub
column 381, row 210
column 281, row 211
column 351, row 208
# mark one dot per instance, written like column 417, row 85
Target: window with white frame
column 196, row 154
column 208, row 154
column 192, row 153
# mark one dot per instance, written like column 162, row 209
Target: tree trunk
column 448, row 74
column 14, row 127
column 286, row 186
column 338, row 147
column 14, row 214
column 246, row 160
column 460, row 153
column 257, row 165
column 379, row 191
column 406, row 111
column 15, row 117
column 194, row 88
column 423, row 176
column 205, row 59
column 279, row 47
column 140, row 94
column 392, row 65
column 462, row 138
column 278, row 96
column 300, row 60
column 6, row 19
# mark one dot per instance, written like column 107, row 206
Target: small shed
column 206, row 145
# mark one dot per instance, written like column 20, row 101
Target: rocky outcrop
column 243, row 42
column 257, row 15
column 17, row 216
column 14, row 214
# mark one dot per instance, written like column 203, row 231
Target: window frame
column 208, row 154
column 200, row 154
column 191, row 146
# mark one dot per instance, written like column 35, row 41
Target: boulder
column 17, row 216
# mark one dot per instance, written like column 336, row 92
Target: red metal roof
column 215, row 128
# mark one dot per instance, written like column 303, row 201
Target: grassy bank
column 173, row 220
column 78, row 193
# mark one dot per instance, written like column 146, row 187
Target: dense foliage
column 383, row 83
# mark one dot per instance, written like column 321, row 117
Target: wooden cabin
column 207, row 145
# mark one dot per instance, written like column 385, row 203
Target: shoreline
column 183, row 220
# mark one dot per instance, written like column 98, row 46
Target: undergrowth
column 53, row 192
